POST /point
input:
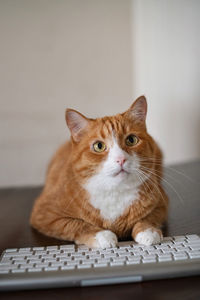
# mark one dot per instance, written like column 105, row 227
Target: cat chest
column 112, row 204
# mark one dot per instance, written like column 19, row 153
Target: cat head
column 112, row 148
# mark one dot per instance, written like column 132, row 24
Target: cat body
column 105, row 183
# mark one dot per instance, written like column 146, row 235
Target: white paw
column 148, row 237
column 105, row 239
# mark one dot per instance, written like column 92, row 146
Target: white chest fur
column 111, row 203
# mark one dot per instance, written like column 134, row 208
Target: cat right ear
column 77, row 123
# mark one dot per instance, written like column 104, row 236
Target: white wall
column 53, row 55
column 95, row 56
column 166, row 67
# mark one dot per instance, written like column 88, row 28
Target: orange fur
column 63, row 210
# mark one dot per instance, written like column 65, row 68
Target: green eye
column 99, row 147
column 131, row 140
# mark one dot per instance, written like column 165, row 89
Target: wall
column 166, row 67
column 57, row 54
column 95, row 56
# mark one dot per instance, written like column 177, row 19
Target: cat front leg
column 73, row 229
column 102, row 239
column 147, row 230
column 145, row 233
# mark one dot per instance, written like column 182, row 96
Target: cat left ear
column 138, row 109
column 77, row 123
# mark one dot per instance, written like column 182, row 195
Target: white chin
column 122, row 176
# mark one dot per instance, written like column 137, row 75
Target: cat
column 105, row 183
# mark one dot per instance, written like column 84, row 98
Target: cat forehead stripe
column 111, row 127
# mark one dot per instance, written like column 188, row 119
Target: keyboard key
column 40, row 252
column 57, row 264
column 103, row 261
column 25, row 250
column 149, row 256
column 194, row 255
column 34, row 261
column 11, row 250
column 72, row 262
column 88, row 261
column 10, row 267
column 195, row 247
column 51, row 268
column 18, row 271
column 9, row 254
column 37, row 248
column 17, row 255
column 192, row 237
column 133, row 262
column 66, row 267
column 167, row 258
column 41, row 265
column 51, row 260
column 88, row 266
column 165, row 251
column 25, row 266
column 67, row 247
column 118, row 259
column 64, row 259
column 52, row 248
column 34, row 270
column 5, row 265
column 22, row 261
column 109, row 255
column 180, row 257
column 116, row 263
column 150, row 260
column 82, row 248
column 4, row 271
column 100, row 265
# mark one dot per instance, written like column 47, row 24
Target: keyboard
column 72, row 265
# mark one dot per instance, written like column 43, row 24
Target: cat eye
column 99, row 146
column 131, row 140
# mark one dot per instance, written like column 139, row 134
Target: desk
column 182, row 183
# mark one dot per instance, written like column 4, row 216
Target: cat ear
column 138, row 109
column 77, row 123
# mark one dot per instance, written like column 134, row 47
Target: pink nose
column 121, row 160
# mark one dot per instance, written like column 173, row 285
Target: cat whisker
column 152, row 182
column 158, row 162
column 163, row 179
column 165, row 174
column 143, row 182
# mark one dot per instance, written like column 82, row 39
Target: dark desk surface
column 182, row 183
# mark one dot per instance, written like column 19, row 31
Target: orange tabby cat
column 105, row 183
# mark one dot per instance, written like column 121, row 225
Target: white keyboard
column 71, row 265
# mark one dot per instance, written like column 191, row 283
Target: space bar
column 110, row 280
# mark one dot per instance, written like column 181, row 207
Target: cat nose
column 121, row 160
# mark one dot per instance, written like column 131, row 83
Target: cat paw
column 105, row 239
column 149, row 237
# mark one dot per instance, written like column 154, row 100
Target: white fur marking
column 105, row 239
column 110, row 193
column 148, row 237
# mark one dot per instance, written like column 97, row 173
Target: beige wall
column 166, row 67
column 56, row 54
column 94, row 56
